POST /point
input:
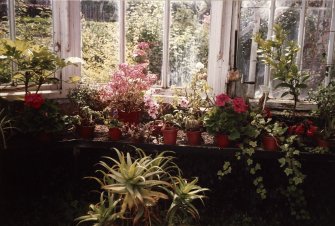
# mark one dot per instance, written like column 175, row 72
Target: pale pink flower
column 183, row 102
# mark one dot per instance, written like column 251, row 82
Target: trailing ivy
column 291, row 167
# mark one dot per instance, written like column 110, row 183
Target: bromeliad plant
column 138, row 187
column 228, row 116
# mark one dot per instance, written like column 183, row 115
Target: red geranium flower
column 222, row 99
column 239, row 105
column 311, row 131
column 33, row 100
column 300, row 129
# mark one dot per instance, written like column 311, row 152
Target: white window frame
column 301, row 32
column 66, row 39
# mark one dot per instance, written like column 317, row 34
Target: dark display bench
column 43, row 184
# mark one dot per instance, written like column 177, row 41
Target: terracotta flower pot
column 170, row 136
column 115, row 134
column 193, row 137
column 86, row 132
column 323, row 143
column 222, row 140
column 270, row 143
column 130, row 117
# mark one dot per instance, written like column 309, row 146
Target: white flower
column 199, row 66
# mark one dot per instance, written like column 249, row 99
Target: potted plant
column 85, row 122
column 193, row 128
column 226, row 119
column 325, row 99
column 114, row 128
column 139, row 133
column 280, row 55
column 40, row 118
column 133, row 190
column 125, row 92
column 172, row 123
column 36, row 64
column 271, row 133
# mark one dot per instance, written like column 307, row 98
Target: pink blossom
column 143, row 45
column 183, row 102
column 222, row 99
column 239, row 105
column 139, row 53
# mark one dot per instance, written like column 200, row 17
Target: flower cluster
column 141, row 52
column 228, row 116
column 237, row 103
column 34, row 100
column 151, row 105
column 305, row 128
column 126, row 89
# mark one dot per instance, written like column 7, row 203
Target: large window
column 307, row 22
column 181, row 26
column 100, row 39
column 28, row 20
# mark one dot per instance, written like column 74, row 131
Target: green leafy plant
column 139, row 185
column 280, row 55
column 228, row 116
column 325, row 99
column 36, row 64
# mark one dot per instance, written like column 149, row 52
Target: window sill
column 14, row 95
column 281, row 104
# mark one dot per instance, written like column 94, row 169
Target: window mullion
column 166, row 33
column 269, row 36
column 301, row 33
column 11, row 19
column 122, row 30
column 330, row 55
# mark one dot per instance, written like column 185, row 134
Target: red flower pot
column 130, row 117
column 270, row 143
column 86, row 132
column 323, row 143
column 222, row 140
column 193, row 137
column 169, row 136
column 115, row 134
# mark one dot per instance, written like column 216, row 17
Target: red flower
column 33, row 100
column 222, row 99
column 239, row 105
column 300, row 129
column 311, row 131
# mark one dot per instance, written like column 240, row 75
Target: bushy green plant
column 36, row 64
column 139, row 185
column 228, row 116
column 85, row 95
column 280, row 55
column 325, row 99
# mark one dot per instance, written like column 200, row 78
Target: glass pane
column 144, row 24
column 316, row 44
column 188, row 39
column 248, row 28
column 320, row 3
column 4, row 26
column 34, row 21
column 256, row 3
column 289, row 3
column 100, row 39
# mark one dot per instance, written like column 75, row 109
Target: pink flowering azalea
column 152, row 106
column 33, row 100
column 239, row 105
column 127, row 86
column 222, row 99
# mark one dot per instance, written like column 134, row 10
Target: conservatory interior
column 167, row 112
